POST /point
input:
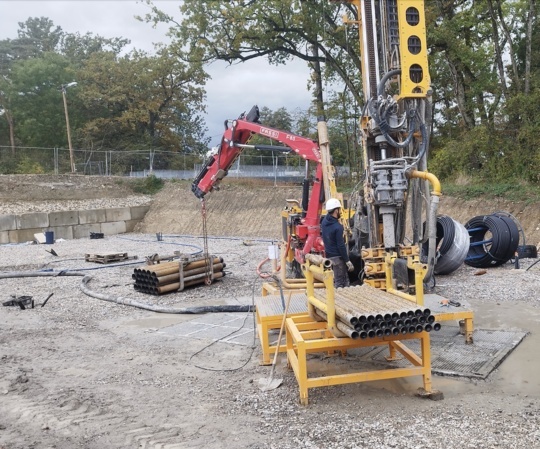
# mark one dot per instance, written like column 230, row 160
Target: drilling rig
column 392, row 215
column 395, row 205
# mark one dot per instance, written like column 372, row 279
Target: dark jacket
column 332, row 235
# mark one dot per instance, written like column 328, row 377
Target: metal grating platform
column 272, row 305
column 450, row 355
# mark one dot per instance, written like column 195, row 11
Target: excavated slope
column 254, row 211
column 234, row 210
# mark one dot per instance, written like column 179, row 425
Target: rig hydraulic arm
column 304, row 227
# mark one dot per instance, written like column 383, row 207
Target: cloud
column 235, row 89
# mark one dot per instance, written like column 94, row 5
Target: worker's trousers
column 341, row 276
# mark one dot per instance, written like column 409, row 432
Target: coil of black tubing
column 452, row 242
column 497, row 250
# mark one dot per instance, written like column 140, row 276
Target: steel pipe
column 198, row 279
column 351, row 333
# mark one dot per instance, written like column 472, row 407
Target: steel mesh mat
column 452, row 357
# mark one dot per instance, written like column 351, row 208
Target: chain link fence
column 142, row 163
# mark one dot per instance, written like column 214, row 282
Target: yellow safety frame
column 306, row 336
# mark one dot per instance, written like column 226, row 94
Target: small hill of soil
column 63, row 187
column 240, row 208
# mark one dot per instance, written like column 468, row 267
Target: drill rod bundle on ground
column 364, row 312
column 175, row 276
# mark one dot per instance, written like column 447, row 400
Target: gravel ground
column 86, row 373
column 23, row 207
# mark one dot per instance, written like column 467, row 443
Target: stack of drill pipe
column 374, row 313
column 165, row 277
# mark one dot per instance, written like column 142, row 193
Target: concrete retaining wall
column 72, row 224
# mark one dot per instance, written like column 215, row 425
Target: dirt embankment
column 238, row 210
column 63, row 187
column 235, row 210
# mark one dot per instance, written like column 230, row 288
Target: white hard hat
column 332, row 204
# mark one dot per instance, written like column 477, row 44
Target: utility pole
column 71, row 156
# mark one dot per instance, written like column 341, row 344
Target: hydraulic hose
column 160, row 309
column 432, row 218
column 33, row 274
column 384, row 79
column 485, row 252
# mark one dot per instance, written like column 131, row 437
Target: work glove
column 350, row 266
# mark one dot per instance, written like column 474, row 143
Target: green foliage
column 36, row 100
column 131, row 102
column 516, row 191
column 149, row 185
column 29, row 166
column 276, row 30
column 139, row 98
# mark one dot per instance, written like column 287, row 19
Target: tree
column 139, row 100
column 36, row 99
column 278, row 30
column 38, row 35
column 78, row 49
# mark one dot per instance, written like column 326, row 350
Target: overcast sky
column 232, row 89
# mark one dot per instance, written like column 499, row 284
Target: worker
column 334, row 243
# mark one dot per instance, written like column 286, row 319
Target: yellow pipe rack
column 306, row 334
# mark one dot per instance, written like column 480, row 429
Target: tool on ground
column 52, row 251
column 21, row 301
column 449, row 302
column 270, row 383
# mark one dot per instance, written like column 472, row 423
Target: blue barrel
column 49, row 237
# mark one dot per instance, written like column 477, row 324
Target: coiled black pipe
column 452, row 243
column 494, row 240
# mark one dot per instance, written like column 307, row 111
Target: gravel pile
column 24, row 207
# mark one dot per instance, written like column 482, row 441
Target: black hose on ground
column 33, row 274
column 127, row 301
column 494, row 240
column 160, row 309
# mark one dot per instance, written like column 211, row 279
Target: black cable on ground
column 153, row 308
column 253, row 346
column 34, row 274
column 128, row 301
column 532, row 265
